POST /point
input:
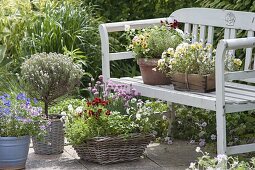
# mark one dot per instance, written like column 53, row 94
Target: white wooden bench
column 229, row 97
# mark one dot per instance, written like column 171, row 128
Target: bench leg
column 171, row 116
column 221, row 130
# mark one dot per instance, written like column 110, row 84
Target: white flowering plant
column 193, row 58
column 152, row 41
column 220, row 162
column 50, row 76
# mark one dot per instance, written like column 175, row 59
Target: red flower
column 174, row 24
column 91, row 113
column 89, row 104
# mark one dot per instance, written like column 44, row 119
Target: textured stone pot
column 150, row 76
column 13, row 152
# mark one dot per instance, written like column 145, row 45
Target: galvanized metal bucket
column 13, row 152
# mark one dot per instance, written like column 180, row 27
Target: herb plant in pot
column 19, row 119
column 111, row 127
column 48, row 77
column 148, row 45
column 192, row 66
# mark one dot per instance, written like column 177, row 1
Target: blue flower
column 21, row 96
column 35, row 101
column 7, row 103
column 6, row 111
column 2, row 97
column 6, row 95
column 28, row 101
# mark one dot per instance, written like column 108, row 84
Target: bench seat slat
column 235, row 94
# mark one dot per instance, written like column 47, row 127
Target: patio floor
column 158, row 156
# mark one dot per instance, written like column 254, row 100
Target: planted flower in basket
column 192, row 66
column 148, row 45
column 19, row 119
column 113, row 126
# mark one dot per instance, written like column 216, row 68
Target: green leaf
column 2, row 52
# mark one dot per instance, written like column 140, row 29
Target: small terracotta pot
column 150, row 76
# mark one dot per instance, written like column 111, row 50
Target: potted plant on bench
column 148, row 45
column 192, row 66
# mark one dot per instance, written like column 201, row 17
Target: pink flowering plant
column 118, row 95
column 19, row 116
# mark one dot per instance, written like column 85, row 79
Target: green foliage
column 114, row 10
column 199, row 125
column 29, row 27
column 151, row 42
column 50, row 76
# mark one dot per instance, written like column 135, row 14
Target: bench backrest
column 200, row 22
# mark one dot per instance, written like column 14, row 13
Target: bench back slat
column 187, row 28
column 248, row 53
column 230, row 20
column 202, row 33
column 194, row 33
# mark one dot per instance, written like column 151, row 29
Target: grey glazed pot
column 13, row 152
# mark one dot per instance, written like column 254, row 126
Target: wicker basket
column 106, row 150
column 53, row 142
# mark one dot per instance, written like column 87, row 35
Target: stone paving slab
column 157, row 157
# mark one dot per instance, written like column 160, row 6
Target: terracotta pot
column 150, row 76
column 194, row 82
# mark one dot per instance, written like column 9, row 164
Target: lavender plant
column 50, row 76
column 19, row 116
column 118, row 95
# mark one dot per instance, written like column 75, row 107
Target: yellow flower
column 237, row 62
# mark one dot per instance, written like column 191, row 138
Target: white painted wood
column 120, row 26
column 216, row 17
column 210, row 35
column 248, row 53
column 220, row 98
column 226, row 33
column 240, row 149
column 187, row 28
column 121, row 55
column 194, row 33
column 239, row 75
column 232, row 36
column 105, row 52
column 229, row 97
column 232, row 108
column 164, row 94
column 202, row 34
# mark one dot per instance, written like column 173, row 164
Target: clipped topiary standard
column 50, row 76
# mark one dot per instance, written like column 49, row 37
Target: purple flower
column 7, row 103
column 28, row 102
column 94, row 90
column 2, row 97
column 6, row 111
column 35, row 101
column 202, row 142
column 21, row 96
column 6, row 95
column 42, row 127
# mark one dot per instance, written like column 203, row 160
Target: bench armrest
column 222, row 47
